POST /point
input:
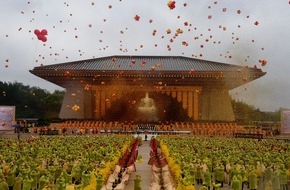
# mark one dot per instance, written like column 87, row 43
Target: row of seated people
column 209, row 129
column 212, row 129
column 220, row 128
column 162, row 126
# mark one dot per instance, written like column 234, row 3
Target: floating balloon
column 179, row 31
column 36, row 32
column 66, row 73
column 43, row 32
column 137, row 17
column 75, row 108
column 87, row 87
column 171, row 5
column 263, row 62
column 192, row 71
column 184, row 43
column 41, row 35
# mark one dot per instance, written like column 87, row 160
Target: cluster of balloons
column 41, row 35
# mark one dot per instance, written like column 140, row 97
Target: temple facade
column 97, row 88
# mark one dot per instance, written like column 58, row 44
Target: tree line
column 31, row 102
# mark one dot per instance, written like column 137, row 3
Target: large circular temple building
column 147, row 87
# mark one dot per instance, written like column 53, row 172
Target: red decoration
column 36, row 32
column 43, row 32
column 137, row 17
column 263, row 62
column 171, row 5
column 192, row 71
column 41, row 35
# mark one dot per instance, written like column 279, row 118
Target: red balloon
column 36, row 32
column 44, row 39
column 39, row 36
column 44, row 32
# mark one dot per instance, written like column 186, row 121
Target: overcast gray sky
column 86, row 29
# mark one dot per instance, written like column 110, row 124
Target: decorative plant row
column 64, row 163
column 216, row 161
column 125, row 167
column 161, row 177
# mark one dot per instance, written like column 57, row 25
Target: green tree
column 31, row 102
column 247, row 113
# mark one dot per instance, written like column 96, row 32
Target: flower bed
column 211, row 161
column 80, row 162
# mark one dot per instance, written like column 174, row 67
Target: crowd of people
column 200, row 129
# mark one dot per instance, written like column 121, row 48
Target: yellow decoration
column 70, row 187
column 93, row 183
column 182, row 187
